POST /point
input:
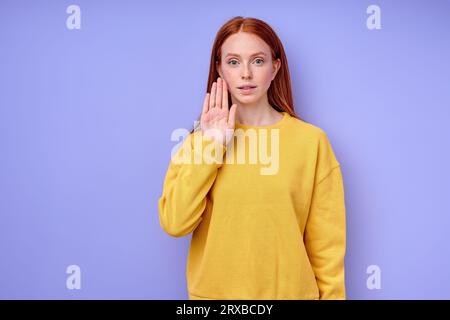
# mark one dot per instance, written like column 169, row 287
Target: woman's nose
column 246, row 72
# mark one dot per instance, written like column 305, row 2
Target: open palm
column 217, row 121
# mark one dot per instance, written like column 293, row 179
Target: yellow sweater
column 274, row 229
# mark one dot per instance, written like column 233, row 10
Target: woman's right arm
column 191, row 174
column 186, row 186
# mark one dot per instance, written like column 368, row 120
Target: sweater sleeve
column 191, row 173
column 325, row 231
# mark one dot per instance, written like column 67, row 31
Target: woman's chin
column 247, row 99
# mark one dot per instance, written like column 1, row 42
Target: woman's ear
column 276, row 67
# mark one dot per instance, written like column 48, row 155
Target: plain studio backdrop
column 86, row 116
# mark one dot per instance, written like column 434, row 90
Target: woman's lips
column 247, row 89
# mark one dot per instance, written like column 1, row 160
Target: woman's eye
column 235, row 62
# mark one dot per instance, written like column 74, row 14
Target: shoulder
column 313, row 138
column 305, row 129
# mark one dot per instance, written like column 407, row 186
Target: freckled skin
column 259, row 70
column 251, row 63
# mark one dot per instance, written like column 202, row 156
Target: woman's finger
column 224, row 95
column 232, row 116
column 212, row 96
column 205, row 104
column 219, row 93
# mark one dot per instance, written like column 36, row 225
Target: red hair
column 279, row 93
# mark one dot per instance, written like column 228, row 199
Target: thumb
column 232, row 115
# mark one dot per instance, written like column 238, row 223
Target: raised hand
column 216, row 120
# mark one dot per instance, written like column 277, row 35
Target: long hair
column 279, row 93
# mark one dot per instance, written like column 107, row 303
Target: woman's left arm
column 325, row 229
column 325, row 235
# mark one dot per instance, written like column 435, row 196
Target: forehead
column 244, row 44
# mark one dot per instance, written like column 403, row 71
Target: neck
column 259, row 113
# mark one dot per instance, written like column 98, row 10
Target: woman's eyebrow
column 255, row 54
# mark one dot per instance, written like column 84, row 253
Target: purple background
column 86, row 117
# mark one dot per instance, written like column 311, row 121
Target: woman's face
column 246, row 60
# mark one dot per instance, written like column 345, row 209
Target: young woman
column 273, row 228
